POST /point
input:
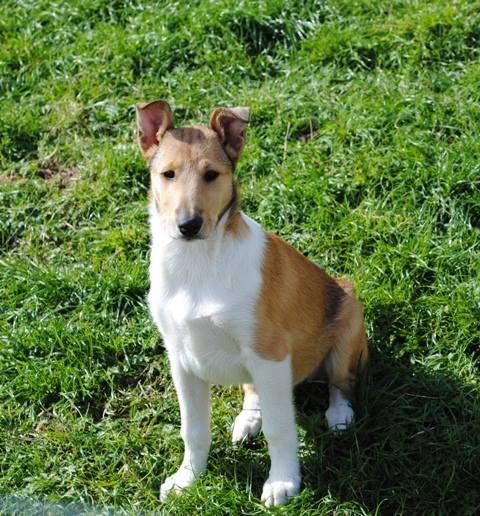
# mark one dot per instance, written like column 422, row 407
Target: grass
column 363, row 152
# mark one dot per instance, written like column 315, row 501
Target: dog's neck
column 193, row 265
column 234, row 224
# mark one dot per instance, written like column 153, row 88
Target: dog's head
column 191, row 167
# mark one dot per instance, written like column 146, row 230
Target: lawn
column 363, row 152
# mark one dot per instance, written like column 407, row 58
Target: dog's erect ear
column 229, row 124
column 153, row 119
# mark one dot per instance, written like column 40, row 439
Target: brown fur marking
column 335, row 296
column 304, row 311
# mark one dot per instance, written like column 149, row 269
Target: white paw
column 279, row 492
column 183, row 478
column 339, row 417
column 247, row 424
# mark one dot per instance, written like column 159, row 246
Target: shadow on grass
column 415, row 448
column 22, row 505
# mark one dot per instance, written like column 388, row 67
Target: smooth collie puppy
column 235, row 304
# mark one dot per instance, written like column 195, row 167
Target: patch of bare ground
column 54, row 171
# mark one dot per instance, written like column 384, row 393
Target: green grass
column 363, row 151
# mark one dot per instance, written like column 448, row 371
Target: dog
column 236, row 304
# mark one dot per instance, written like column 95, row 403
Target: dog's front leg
column 273, row 383
column 193, row 398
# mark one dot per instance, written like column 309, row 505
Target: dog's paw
column 176, row 483
column 247, row 424
column 279, row 492
column 339, row 417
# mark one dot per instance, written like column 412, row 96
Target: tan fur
column 304, row 311
column 349, row 352
column 190, row 152
column 236, row 225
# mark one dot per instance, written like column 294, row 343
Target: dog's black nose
column 189, row 227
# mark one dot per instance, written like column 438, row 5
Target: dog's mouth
column 190, row 238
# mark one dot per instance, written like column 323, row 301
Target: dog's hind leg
column 249, row 421
column 344, row 362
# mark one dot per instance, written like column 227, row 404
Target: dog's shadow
column 415, row 447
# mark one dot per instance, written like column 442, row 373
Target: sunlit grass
column 363, row 152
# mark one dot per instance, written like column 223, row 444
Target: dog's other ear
column 230, row 126
column 153, row 119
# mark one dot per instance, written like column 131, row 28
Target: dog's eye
column 169, row 174
column 210, row 175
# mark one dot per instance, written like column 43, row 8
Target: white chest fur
column 203, row 296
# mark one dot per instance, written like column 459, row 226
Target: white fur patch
column 339, row 414
column 279, row 492
column 182, row 479
column 203, row 297
column 249, row 421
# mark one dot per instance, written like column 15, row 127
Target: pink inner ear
column 149, row 124
column 149, row 128
column 153, row 120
